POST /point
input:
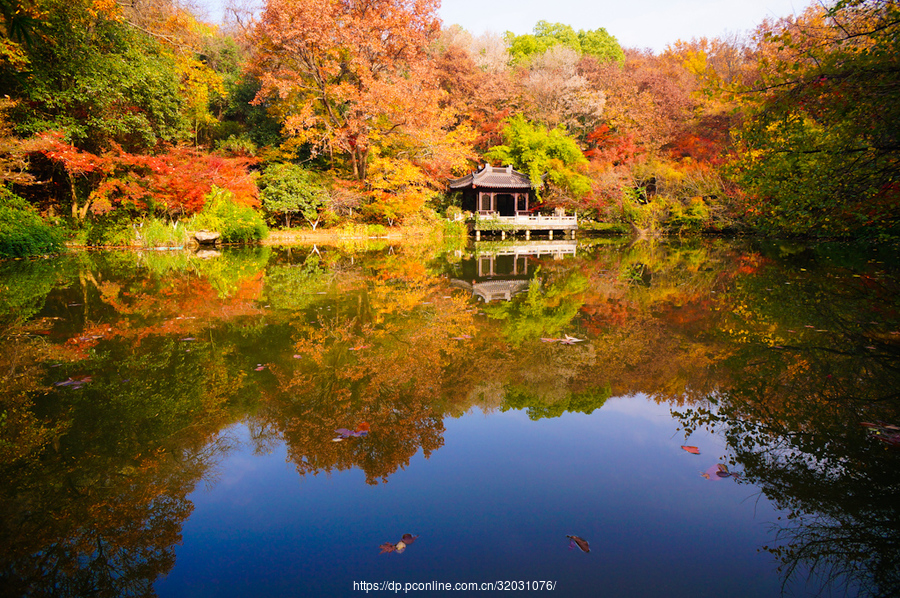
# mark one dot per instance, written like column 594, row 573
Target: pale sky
column 635, row 23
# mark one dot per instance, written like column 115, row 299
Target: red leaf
column 692, row 450
column 580, row 542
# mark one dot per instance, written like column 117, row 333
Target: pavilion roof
column 492, row 177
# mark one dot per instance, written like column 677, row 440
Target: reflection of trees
column 100, row 511
column 94, row 476
column 811, row 359
column 378, row 353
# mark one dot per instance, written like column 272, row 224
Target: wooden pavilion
column 501, row 198
column 497, row 191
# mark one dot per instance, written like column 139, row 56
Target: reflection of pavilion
column 504, row 272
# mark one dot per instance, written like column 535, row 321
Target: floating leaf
column 260, row 367
column 188, row 339
column 387, row 547
column 570, row 340
column 461, row 337
column 362, row 427
column 344, row 432
column 409, row 539
column 580, row 542
column 401, row 546
column 691, row 449
column 719, row 472
column 885, row 432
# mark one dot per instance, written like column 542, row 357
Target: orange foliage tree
column 347, row 76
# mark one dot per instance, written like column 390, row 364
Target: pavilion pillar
column 551, row 234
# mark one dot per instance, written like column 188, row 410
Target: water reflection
column 122, row 370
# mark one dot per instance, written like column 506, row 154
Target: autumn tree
column 347, row 76
column 822, row 143
column 558, row 95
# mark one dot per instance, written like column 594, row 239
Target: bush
column 289, row 189
column 113, row 228
column 22, row 231
column 237, row 223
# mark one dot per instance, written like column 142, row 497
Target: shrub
column 287, row 189
column 238, row 223
column 22, row 231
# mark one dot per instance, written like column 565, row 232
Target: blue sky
column 635, row 23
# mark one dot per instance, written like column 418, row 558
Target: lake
column 595, row 417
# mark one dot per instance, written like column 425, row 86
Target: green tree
column 289, row 189
column 95, row 78
column 597, row 42
column 540, row 152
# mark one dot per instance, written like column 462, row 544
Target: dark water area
column 708, row 418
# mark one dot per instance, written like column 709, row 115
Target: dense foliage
column 822, row 141
column 22, row 231
column 117, row 113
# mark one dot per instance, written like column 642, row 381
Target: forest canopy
column 125, row 113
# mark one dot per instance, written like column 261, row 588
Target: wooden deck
column 489, row 222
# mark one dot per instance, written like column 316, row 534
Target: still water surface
column 273, row 421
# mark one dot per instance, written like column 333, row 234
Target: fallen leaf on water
column 549, row 340
column 297, row 356
column 362, row 427
column 692, row 450
column 580, row 542
column 188, row 339
column 719, row 472
column 260, row 367
column 400, row 546
column 460, row 338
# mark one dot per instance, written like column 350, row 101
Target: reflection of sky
column 495, row 503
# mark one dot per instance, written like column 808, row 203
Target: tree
column 821, row 145
column 559, row 95
column 597, row 43
column 95, row 78
column 540, row 152
column 345, row 77
column 287, row 189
